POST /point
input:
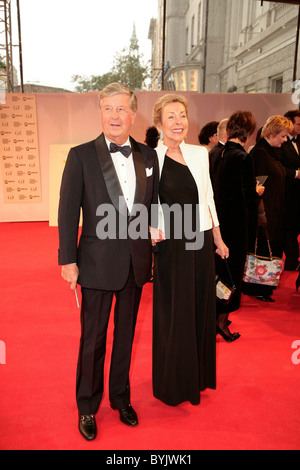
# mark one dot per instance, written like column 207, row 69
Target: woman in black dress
column 235, row 195
column 184, row 292
column 271, row 207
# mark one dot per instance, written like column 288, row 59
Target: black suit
column 214, row 155
column 291, row 160
column 118, row 265
column 215, row 149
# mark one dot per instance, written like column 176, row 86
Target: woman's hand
column 222, row 249
column 260, row 189
column 156, row 235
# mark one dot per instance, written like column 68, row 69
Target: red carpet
column 256, row 404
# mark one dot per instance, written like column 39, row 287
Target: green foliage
column 128, row 68
column 2, row 63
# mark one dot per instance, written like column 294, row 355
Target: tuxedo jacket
column 90, row 183
column 291, row 160
column 214, row 151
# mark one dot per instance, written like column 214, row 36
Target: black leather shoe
column 127, row 415
column 87, row 427
column 265, row 298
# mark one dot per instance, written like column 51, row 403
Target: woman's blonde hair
column 276, row 124
column 163, row 101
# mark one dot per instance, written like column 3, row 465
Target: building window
column 187, row 41
column 199, row 24
column 276, row 85
column 192, row 33
column 250, row 88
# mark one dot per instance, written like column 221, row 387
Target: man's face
column 296, row 125
column 117, row 118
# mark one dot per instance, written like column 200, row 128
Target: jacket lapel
column 140, row 172
column 108, row 170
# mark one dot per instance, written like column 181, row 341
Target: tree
column 128, row 68
column 2, row 63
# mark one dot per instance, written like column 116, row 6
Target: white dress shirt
column 125, row 170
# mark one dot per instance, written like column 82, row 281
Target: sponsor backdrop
column 37, row 131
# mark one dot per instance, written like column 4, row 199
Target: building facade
column 223, row 46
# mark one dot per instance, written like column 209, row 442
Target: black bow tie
column 125, row 150
column 294, row 139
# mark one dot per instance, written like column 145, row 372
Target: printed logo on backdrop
column 19, row 149
column 2, row 353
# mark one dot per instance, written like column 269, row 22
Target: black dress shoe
column 265, row 298
column 127, row 415
column 88, row 427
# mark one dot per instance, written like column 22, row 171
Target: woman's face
column 174, row 123
column 276, row 140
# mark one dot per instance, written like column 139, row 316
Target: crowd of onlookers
column 257, row 195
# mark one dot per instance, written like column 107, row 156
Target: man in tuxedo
column 217, row 149
column 113, row 180
column 290, row 158
column 222, row 139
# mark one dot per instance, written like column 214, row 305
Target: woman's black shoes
column 229, row 337
column 265, row 298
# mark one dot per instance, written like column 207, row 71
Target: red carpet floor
column 256, row 405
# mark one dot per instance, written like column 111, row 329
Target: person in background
column 271, row 207
column 152, row 137
column 208, row 135
column 235, row 195
column 290, row 151
column 257, row 138
column 98, row 175
column 184, row 290
column 222, row 137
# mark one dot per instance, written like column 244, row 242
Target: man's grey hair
column 119, row 89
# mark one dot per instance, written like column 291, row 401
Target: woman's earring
column 161, row 135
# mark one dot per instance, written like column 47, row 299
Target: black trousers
column 95, row 313
column 291, row 249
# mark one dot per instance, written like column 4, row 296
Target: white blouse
column 196, row 158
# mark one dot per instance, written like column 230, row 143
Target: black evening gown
column 184, row 303
column 235, row 197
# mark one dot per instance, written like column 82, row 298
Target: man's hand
column 70, row 274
